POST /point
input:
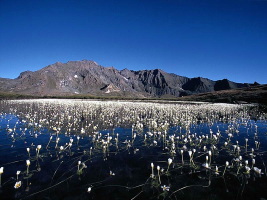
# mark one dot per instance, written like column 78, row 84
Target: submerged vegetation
column 57, row 149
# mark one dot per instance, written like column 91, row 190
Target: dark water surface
column 108, row 147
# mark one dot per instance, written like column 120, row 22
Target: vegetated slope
column 253, row 94
column 87, row 77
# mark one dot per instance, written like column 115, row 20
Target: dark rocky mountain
column 87, row 77
column 253, row 94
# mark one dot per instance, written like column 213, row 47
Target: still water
column 75, row 149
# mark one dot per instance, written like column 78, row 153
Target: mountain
column 87, row 77
column 254, row 94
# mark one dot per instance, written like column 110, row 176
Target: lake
column 83, row 149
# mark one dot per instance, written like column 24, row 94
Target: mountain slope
column 253, row 94
column 87, row 77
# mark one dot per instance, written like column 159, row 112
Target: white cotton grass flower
column 238, row 168
column 1, row 172
column 238, row 150
column 158, row 168
column 169, row 163
column 28, row 150
column 89, row 189
column 152, row 170
column 79, row 163
column 206, row 165
column 78, row 139
column 216, row 170
column 39, row 147
column 252, row 153
column 247, row 169
column 182, row 153
column 90, row 152
column 71, row 140
column 17, row 185
column 257, row 170
column 190, row 153
column 204, row 148
column 226, row 165
column 28, row 162
column 18, row 173
column 165, row 188
column 111, row 173
column 253, row 162
column 84, row 165
column 209, row 152
column 82, row 131
column 136, row 150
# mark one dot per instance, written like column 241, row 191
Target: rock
column 87, row 77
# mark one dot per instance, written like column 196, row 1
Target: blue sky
column 215, row 39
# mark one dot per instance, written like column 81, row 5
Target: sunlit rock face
column 87, row 77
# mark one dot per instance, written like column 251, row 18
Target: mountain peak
column 23, row 74
column 87, row 77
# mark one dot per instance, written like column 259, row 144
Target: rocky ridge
column 87, row 77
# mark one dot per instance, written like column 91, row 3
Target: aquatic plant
column 17, row 185
column 169, row 163
column 158, row 168
column 18, row 172
column 28, row 162
column 93, row 138
column 152, row 170
column 1, row 172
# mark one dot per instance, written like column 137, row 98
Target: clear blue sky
column 215, row 39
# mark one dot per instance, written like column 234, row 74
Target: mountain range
column 87, row 77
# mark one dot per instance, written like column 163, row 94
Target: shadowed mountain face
column 87, row 77
column 254, row 94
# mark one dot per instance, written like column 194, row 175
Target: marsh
column 80, row 149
